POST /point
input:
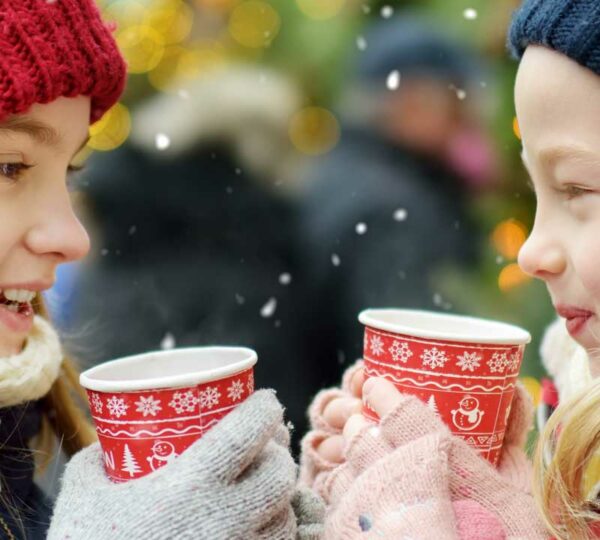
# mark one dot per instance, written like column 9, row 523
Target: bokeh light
column 516, row 128
column 314, row 130
column 172, row 19
column 508, row 237
column 142, row 46
column 534, row 389
column 511, row 277
column 320, row 9
column 254, row 24
column 112, row 130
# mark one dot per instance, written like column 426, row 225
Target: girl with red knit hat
column 409, row 477
column 60, row 70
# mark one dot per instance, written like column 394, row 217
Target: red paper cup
column 150, row 407
column 464, row 368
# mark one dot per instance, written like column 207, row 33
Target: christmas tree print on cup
column 464, row 368
column 149, row 408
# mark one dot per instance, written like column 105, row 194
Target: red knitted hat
column 57, row 48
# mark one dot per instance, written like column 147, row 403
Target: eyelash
column 573, row 192
column 15, row 176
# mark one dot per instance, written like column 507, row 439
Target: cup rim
column 513, row 335
column 87, row 378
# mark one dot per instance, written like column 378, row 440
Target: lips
column 576, row 318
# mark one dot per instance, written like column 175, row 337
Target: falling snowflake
column 209, row 397
column 167, row 342
column 183, row 401
column 468, row 361
column 269, row 308
column 376, row 345
column 400, row 215
column 498, row 362
column 236, row 390
column 285, row 278
column 148, row 405
column 335, row 259
column 387, row 12
column 250, row 383
column 470, row 14
column 400, row 352
column 434, row 358
column 361, row 228
column 513, row 362
column 116, row 406
column 361, row 43
column 97, row 403
column 393, row 80
column 162, row 141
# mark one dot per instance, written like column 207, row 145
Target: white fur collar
column 30, row 374
column 565, row 360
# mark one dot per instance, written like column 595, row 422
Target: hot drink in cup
column 149, row 408
column 464, row 368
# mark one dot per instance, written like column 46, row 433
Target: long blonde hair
column 565, row 450
column 63, row 417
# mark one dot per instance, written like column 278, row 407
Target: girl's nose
column 542, row 255
column 58, row 231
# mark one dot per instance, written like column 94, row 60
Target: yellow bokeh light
column 222, row 6
column 511, row 276
column 314, row 130
column 112, row 130
column 508, row 237
column 172, row 19
column 125, row 13
column 180, row 65
column 320, row 9
column 516, row 128
column 142, row 46
column 254, row 24
column 534, row 389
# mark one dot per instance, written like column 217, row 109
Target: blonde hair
column 64, row 418
column 565, row 450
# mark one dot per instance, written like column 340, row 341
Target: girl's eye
column 572, row 191
column 13, row 171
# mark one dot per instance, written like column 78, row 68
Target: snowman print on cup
column 163, row 452
column 468, row 415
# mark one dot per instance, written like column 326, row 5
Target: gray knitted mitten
column 236, row 482
column 310, row 514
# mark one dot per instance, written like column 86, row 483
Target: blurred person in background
column 387, row 208
column 200, row 249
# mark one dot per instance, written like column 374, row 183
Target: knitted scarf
column 28, row 376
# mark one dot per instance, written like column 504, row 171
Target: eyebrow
column 550, row 156
column 38, row 131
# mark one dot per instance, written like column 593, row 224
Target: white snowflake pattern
column 235, row 390
column 97, row 403
column 434, row 358
column 250, row 383
column 376, row 345
column 513, row 362
column 148, row 405
column 498, row 362
column 209, row 397
column 116, row 406
column 400, row 352
column 183, row 401
column 468, row 361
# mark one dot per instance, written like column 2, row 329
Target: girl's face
column 38, row 228
column 558, row 109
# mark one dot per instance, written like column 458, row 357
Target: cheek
column 12, row 228
column 587, row 264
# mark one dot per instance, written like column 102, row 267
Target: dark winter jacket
column 24, row 509
column 377, row 224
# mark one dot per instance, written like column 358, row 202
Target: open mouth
column 20, row 306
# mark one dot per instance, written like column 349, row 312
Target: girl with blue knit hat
column 409, row 477
column 60, row 71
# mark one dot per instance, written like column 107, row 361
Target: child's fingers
column 381, row 395
column 332, row 449
column 338, row 410
column 356, row 383
column 355, row 424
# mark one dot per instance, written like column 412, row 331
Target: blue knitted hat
column 571, row 27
